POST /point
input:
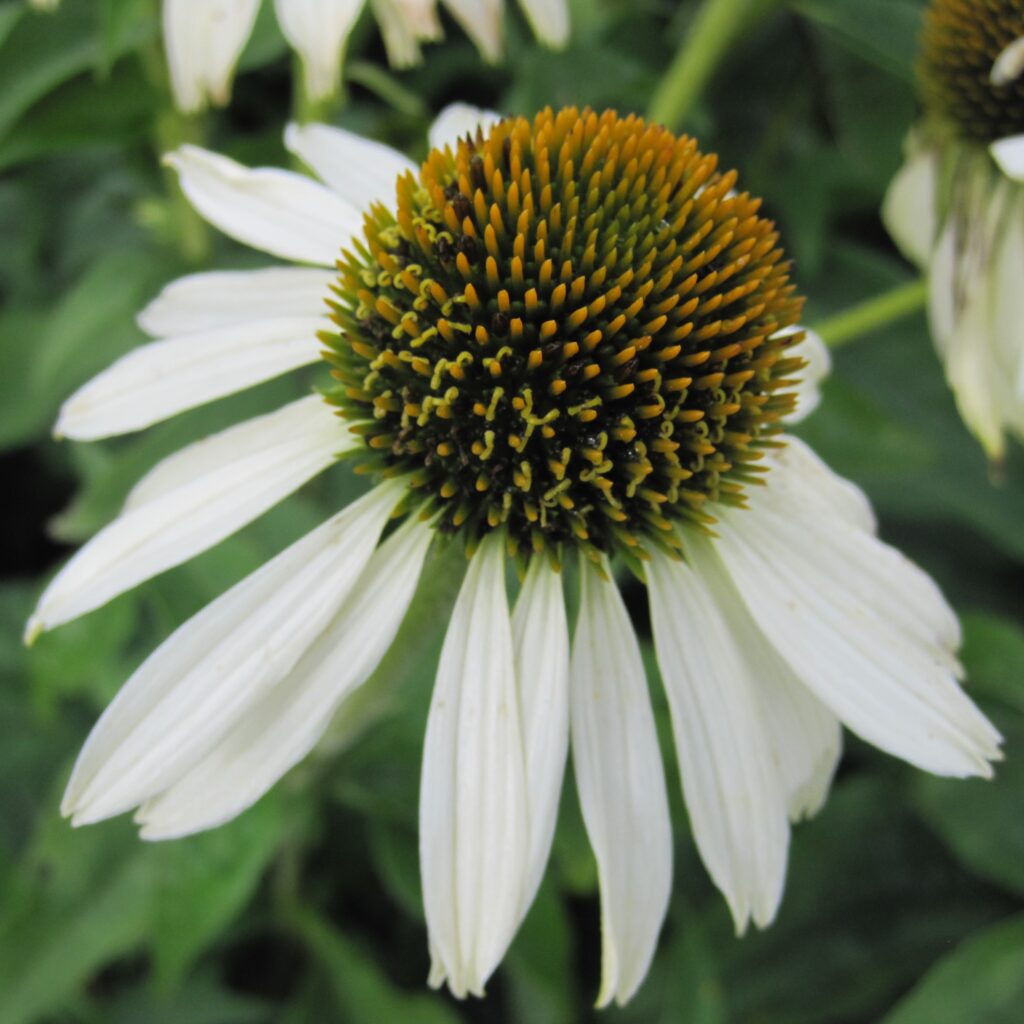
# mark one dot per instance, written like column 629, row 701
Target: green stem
column 387, row 87
column 717, row 24
column 873, row 313
column 191, row 232
column 305, row 108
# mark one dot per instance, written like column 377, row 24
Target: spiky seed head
column 567, row 328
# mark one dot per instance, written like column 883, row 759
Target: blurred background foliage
column 905, row 899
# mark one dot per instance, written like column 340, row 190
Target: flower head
column 957, row 206
column 971, row 65
column 566, row 336
column 568, row 330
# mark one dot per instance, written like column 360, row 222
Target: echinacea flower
column 956, row 208
column 205, row 38
column 565, row 340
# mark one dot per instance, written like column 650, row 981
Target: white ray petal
column 473, row 814
column 203, row 43
column 805, row 736
column 1009, row 154
column 804, row 497
column 805, row 476
column 193, row 500
column 734, row 793
column 225, row 298
column 318, row 31
column 621, row 784
column 541, row 638
column 483, row 21
column 161, row 379
column 1009, row 65
column 458, row 120
column 910, row 209
column 307, row 425
column 283, row 727
column 862, row 627
column 819, row 365
column 280, row 212
column 360, row 170
column 193, row 688
column 549, row 20
column 404, row 25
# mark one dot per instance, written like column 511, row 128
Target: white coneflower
column 204, row 38
column 956, row 208
column 565, row 338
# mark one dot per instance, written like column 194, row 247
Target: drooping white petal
column 1009, row 65
column 818, row 366
column 483, row 23
column 282, row 728
column 734, row 792
column 805, row 497
column 474, row 836
column 280, row 212
column 1009, row 154
column 223, row 298
column 318, row 30
column 862, row 627
column 193, row 500
column 359, row 170
column 458, row 120
column 404, row 25
column 203, row 42
column 804, row 735
column 910, row 209
column 161, row 379
column 621, row 784
column 549, row 19
column 541, row 639
column 200, row 682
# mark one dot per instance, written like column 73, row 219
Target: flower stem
column 190, row 231
column 873, row 313
column 717, row 24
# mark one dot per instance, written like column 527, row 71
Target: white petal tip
column 1009, row 65
column 34, row 629
column 1008, row 153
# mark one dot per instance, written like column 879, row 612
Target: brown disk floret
column 566, row 330
column 960, row 43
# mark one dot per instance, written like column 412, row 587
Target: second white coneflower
column 957, row 207
column 565, row 338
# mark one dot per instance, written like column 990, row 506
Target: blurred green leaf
column 363, row 993
column 980, row 982
column 993, row 654
column 539, row 962
column 205, row 880
column 41, row 52
column 980, row 820
column 81, row 898
column 882, row 31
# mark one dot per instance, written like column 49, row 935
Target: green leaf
column 980, row 819
column 363, row 993
column 204, row 882
column 539, row 962
column 993, row 654
column 980, row 982
column 80, row 899
column 884, row 32
column 90, row 326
